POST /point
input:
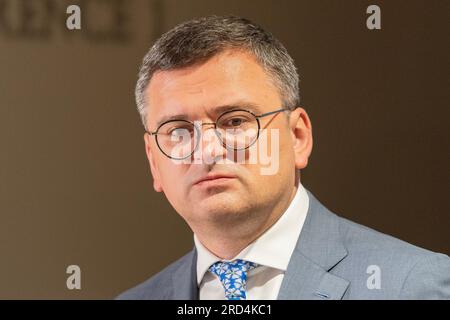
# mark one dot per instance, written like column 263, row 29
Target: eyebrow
column 245, row 105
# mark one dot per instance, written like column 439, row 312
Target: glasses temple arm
column 271, row 112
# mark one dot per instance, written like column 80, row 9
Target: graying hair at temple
column 197, row 40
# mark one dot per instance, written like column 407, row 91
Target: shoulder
column 159, row 286
column 358, row 237
column 405, row 271
column 414, row 272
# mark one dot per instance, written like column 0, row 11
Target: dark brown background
column 74, row 182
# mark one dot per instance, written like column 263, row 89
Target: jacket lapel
column 184, row 279
column 319, row 248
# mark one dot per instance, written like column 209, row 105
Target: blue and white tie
column 233, row 276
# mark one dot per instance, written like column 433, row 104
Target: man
column 211, row 93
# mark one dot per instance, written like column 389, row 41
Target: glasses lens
column 238, row 129
column 176, row 139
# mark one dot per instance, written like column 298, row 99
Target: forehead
column 222, row 80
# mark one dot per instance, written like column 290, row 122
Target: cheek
column 286, row 143
column 173, row 184
column 171, row 176
column 280, row 147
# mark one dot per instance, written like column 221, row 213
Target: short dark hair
column 199, row 39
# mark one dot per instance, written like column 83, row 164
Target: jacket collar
column 319, row 248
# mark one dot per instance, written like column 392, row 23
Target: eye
column 179, row 131
column 234, row 122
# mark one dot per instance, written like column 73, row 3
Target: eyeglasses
column 236, row 129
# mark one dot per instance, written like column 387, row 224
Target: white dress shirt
column 272, row 251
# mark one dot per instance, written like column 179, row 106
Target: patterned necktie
column 233, row 276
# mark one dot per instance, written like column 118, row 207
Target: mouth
column 213, row 179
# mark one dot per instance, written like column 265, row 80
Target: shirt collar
column 274, row 247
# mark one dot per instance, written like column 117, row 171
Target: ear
column 153, row 167
column 301, row 131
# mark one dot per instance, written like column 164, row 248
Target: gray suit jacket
column 334, row 259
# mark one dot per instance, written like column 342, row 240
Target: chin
column 222, row 206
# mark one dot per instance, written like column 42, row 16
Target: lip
column 216, row 177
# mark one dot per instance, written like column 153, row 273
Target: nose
column 212, row 149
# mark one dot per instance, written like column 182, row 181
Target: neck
column 226, row 242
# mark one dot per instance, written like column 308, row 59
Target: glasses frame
column 198, row 130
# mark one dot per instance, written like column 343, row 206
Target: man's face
column 234, row 79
